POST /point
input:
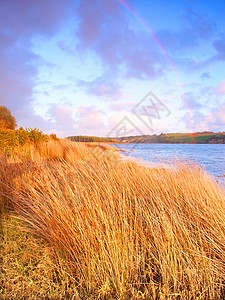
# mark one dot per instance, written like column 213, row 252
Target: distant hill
column 205, row 137
column 178, row 138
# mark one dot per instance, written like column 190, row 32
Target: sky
column 113, row 67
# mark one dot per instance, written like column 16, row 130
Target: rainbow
column 149, row 31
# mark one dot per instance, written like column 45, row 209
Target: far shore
column 206, row 137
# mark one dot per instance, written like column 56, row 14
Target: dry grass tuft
column 121, row 229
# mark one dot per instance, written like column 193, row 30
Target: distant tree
column 7, row 121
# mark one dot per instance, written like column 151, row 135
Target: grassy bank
column 178, row 138
column 79, row 223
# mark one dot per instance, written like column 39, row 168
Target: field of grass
column 178, row 138
column 79, row 223
column 200, row 138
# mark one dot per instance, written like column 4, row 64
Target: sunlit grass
column 28, row 269
column 121, row 229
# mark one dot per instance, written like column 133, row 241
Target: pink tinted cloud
column 221, row 88
column 20, row 21
column 90, row 119
column 191, row 101
column 86, row 120
column 214, row 120
column 217, row 116
column 63, row 116
column 123, row 106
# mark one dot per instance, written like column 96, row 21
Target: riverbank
column 163, row 138
column 209, row 156
column 77, row 222
column 177, row 138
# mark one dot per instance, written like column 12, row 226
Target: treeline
column 90, row 139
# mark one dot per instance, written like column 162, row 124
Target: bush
column 36, row 135
column 9, row 139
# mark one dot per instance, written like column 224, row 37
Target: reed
column 118, row 228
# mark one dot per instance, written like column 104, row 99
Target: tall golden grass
column 121, row 230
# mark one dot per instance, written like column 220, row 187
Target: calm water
column 210, row 156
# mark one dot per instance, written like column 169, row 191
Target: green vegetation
column 163, row 138
column 10, row 139
column 178, row 138
column 90, row 139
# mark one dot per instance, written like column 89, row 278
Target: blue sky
column 80, row 67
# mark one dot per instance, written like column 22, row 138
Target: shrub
column 10, row 139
